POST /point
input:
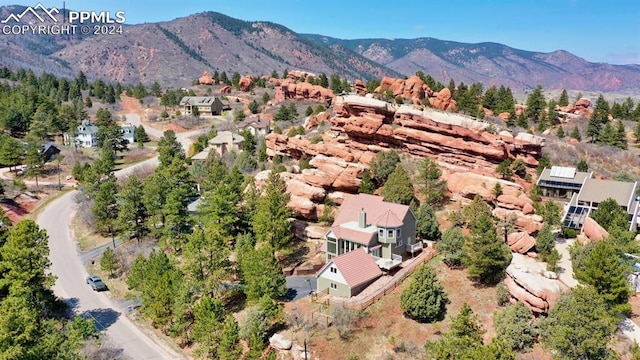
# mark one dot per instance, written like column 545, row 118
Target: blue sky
column 599, row 31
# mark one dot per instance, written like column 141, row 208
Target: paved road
column 71, row 286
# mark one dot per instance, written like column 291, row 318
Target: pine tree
column 399, row 187
column 560, row 132
column 620, row 137
column 383, row 164
column 105, row 204
column 229, row 347
column 431, row 183
column 451, row 247
column 545, row 242
column 504, row 169
column 427, row 226
column 564, row 98
column 424, row 299
column 575, row 133
column 367, row 186
column 536, row 104
column 271, row 223
column 487, row 255
column 604, row 271
column 262, row 274
column 207, row 318
column 599, row 117
column 34, row 159
column 582, row 166
column 108, row 260
column 169, row 148
column 132, row 212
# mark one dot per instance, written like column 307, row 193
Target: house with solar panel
column 207, row 105
column 368, row 236
column 585, row 194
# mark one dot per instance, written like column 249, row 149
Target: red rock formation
column 302, row 90
column 593, row 231
column 504, row 116
column 526, row 282
column 246, row 83
column 205, row 79
column 359, row 87
column 442, row 100
column 225, row 90
column 521, row 242
column 580, row 108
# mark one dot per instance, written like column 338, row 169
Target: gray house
column 593, row 192
column 207, row 105
column 387, row 231
column 561, row 182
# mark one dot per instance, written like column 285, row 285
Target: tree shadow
column 291, row 294
column 103, row 317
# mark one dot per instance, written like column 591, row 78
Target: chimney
column 362, row 219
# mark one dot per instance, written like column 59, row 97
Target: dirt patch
column 385, row 328
column 174, row 127
column 21, row 205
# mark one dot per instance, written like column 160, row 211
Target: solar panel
column 563, row 172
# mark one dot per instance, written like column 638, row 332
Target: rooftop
column 357, row 267
column 224, row 137
column 598, row 190
column 351, row 231
column 254, row 122
column 374, row 206
column 197, row 100
column 563, row 174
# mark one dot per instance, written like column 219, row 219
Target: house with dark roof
column 49, row 151
column 207, row 105
column 348, row 274
column 561, row 182
column 593, row 192
column 387, row 231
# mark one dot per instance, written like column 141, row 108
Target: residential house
column 226, row 142
column 387, row 231
column 593, row 192
column 86, row 136
column 207, row 105
column 256, row 125
column 128, row 132
column 561, row 182
column 348, row 274
column 49, row 151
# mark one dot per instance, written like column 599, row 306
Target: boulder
column 205, row 79
column 469, row 184
column 278, row 342
column 225, row 89
column 359, row 87
column 442, row 100
column 593, row 231
column 526, row 282
column 302, row 207
column 300, row 188
column 521, row 242
column 246, row 83
column 527, row 209
column 583, row 103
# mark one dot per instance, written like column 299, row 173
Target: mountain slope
column 178, row 51
column 492, row 64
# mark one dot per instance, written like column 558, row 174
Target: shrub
column 568, row 233
column 515, row 326
column 502, row 294
column 424, row 300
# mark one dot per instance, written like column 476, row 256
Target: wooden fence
column 358, row 303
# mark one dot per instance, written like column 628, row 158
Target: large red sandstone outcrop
column 526, row 282
column 205, row 79
column 530, row 224
column 225, row 89
column 468, row 185
column 593, row 231
column 302, row 90
column 442, row 100
column 580, row 108
column 246, row 83
column 521, row 242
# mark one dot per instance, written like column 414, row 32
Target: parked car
column 96, row 283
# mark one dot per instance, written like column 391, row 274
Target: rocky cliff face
column 363, row 126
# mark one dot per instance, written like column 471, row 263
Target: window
column 390, row 233
column 334, row 286
column 331, row 247
column 381, row 233
column 333, row 270
column 398, row 233
column 399, row 243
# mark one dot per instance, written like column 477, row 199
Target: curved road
column 70, row 285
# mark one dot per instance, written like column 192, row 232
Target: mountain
column 492, row 64
column 176, row 52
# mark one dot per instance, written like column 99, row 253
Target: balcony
column 388, row 264
column 414, row 248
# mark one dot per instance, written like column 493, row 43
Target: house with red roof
column 348, row 274
column 382, row 234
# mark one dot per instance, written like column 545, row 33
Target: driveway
column 299, row 287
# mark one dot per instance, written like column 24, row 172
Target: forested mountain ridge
column 176, row 52
column 492, row 64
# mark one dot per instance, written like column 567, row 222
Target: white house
column 86, row 135
column 128, row 132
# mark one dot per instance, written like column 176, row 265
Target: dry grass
column 386, row 333
column 86, row 238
